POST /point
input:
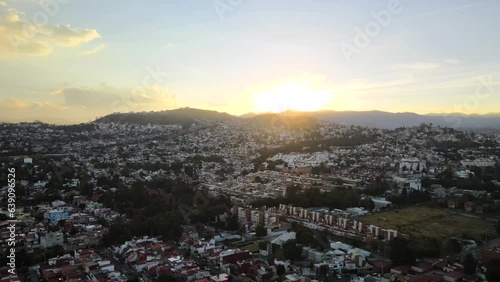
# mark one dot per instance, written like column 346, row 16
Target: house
column 400, row 270
column 422, row 267
column 51, row 239
column 350, row 264
column 220, row 278
column 381, row 266
column 469, row 206
column 453, row 276
column 454, row 203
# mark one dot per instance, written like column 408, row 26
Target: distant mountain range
column 377, row 119
column 299, row 120
column 394, row 120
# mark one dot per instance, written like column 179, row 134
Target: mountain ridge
column 373, row 118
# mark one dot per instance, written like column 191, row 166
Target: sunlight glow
column 291, row 96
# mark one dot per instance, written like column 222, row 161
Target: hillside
column 177, row 116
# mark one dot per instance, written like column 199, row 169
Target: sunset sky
column 74, row 60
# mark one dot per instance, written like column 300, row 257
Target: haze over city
column 73, row 61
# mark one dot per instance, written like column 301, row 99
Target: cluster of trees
column 411, row 197
column 481, row 179
column 401, row 253
column 493, row 270
column 405, row 252
column 166, row 225
column 260, row 231
column 159, row 208
column 307, row 237
column 292, row 250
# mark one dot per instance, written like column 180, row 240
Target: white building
column 51, row 239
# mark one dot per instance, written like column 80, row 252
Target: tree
column 404, row 192
column 450, row 246
column 305, row 238
column 260, row 231
column 292, row 250
column 497, row 227
column 280, row 269
column 232, row 223
column 400, row 252
column 469, row 264
column 493, row 270
column 368, row 204
column 323, row 270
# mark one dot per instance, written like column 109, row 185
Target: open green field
column 421, row 221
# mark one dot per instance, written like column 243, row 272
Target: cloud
column 420, row 66
column 97, row 49
column 114, row 99
column 20, row 36
column 68, row 36
column 19, row 104
column 16, row 110
column 14, row 103
column 57, row 92
column 427, row 65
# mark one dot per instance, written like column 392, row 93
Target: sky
column 69, row 61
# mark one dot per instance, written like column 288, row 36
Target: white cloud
column 420, row 66
column 97, row 49
column 20, row 36
column 68, row 36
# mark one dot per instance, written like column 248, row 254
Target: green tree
column 368, row 204
column 280, row 269
column 292, row 250
column 305, row 238
column 493, row 270
column 401, row 253
column 260, row 231
column 450, row 246
column 232, row 223
column 469, row 264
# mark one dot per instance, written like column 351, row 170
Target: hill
column 285, row 120
column 177, row 116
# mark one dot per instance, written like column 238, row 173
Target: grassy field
column 430, row 222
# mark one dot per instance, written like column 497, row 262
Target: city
column 219, row 199
column 249, row 141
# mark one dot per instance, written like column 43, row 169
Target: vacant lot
column 430, row 222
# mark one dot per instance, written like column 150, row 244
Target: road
column 476, row 252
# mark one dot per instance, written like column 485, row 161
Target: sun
column 291, row 96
